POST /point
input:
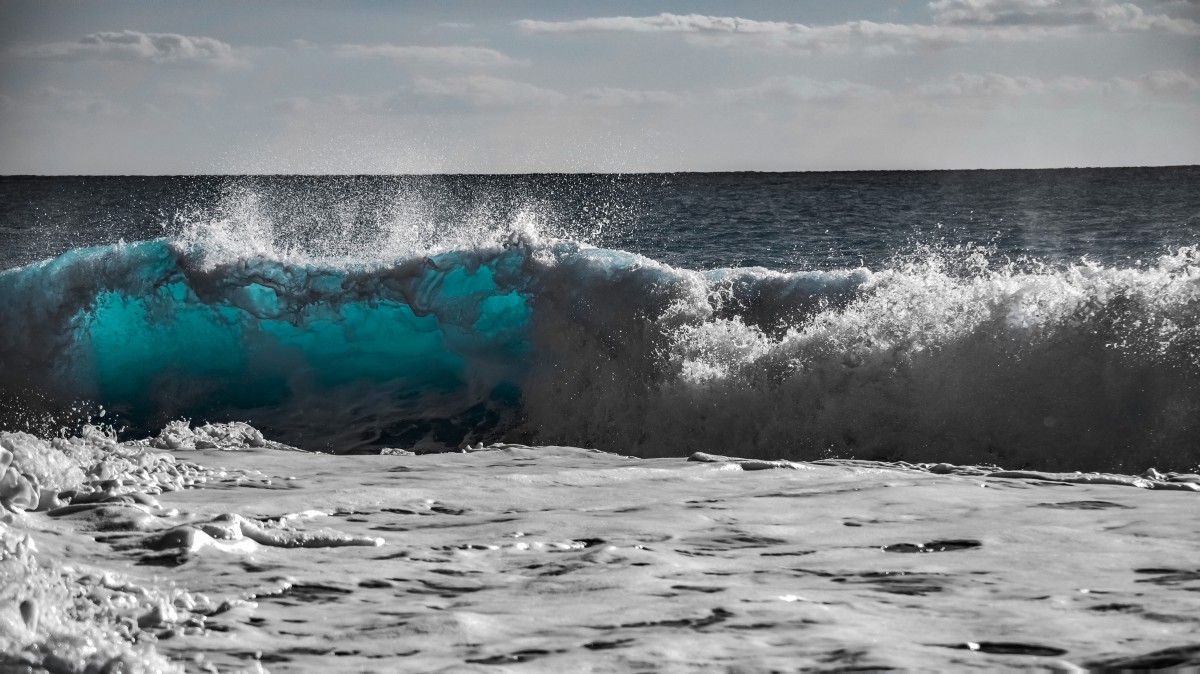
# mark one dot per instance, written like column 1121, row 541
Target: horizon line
column 588, row 173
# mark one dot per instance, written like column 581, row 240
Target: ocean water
column 937, row 358
column 1028, row 319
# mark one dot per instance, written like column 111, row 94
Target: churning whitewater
column 511, row 333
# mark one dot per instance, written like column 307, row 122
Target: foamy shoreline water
column 233, row 552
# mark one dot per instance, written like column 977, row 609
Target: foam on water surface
column 248, row 556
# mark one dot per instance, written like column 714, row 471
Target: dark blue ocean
column 1028, row 319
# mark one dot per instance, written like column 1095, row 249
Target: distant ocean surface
column 1028, row 319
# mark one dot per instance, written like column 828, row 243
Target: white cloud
column 1188, row 9
column 778, row 94
column 996, row 85
column 336, row 104
column 1103, row 14
column 1162, row 83
column 957, row 22
column 457, row 55
column 877, row 38
column 49, row 99
column 485, row 92
column 663, row 23
column 477, row 92
column 990, row 85
column 129, row 45
column 800, row 89
column 1170, row 81
column 616, row 97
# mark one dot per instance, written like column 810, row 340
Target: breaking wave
column 492, row 334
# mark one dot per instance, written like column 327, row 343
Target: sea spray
column 1083, row 366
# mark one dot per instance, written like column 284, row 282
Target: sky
column 454, row 86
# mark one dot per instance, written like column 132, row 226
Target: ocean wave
column 514, row 335
column 1083, row 367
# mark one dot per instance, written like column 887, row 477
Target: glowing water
column 152, row 335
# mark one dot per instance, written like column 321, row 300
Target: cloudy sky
column 472, row 86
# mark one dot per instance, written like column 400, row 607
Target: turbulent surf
column 513, row 334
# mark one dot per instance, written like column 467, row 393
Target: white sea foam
column 509, row 554
column 1070, row 367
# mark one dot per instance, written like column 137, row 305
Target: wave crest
column 522, row 336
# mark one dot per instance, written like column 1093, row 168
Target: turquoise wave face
column 440, row 341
